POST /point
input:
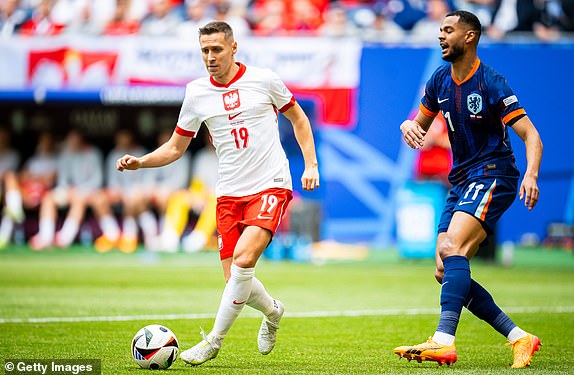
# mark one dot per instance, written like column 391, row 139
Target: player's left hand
column 310, row 178
column 529, row 191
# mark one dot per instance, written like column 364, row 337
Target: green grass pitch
column 341, row 317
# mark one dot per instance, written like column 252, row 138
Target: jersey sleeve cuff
column 288, row 105
column 427, row 111
column 512, row 115
column 185, row 133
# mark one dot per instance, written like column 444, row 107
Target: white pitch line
column 308, row 314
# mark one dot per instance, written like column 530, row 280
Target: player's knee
column 446, row 248
column 245, row 260
column 438, row 275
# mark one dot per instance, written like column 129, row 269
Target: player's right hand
column 413, row 134
column 128, row 162
column 310, row 178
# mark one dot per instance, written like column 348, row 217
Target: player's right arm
column 167, row 153
column 414, row 130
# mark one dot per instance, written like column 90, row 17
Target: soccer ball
column 155, row 347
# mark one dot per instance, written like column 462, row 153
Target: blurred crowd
column 372, row 20
column 68, row 191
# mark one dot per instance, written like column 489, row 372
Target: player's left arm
column 529, row 187
column 304, row 136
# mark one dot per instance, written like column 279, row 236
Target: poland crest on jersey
column 231, row 100
column 474, row 103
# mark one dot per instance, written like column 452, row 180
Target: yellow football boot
column 429, row 351
column 524, row 349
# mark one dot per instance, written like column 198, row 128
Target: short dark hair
column 217, row 27
column 469, row 19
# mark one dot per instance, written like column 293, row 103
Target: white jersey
column 242, row 120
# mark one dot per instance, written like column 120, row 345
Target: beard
column 455, row 53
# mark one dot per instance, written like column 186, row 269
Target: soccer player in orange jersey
column 479, row 107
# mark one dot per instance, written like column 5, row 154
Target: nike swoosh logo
column 261, row 217
column 463, row 203
column 442, row 100
column 238, row 303
column 231, row 117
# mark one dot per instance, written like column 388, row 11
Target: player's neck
column 225, row 79
column 462, row 67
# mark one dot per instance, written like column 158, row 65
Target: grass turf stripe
column 309, row 314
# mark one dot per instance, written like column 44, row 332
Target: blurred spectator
column 84, row 23
column 408, row 12
column 504, row 19
column 199, row 198
column 41, row 22
column 483, row 9
column 65, row 12
column 166, row 181
column 12, row 17
column 161, row 20
column 304, row 17
column 202, row 199
column 280, row 17
column 540, row 16
column 427, row 29
column 546, row 18
column 126, row 191
column 79, row 178
column 121, row 23
column 224, row 12
column 9, row 188
column 567, row 16
column 383, row 29
column 337, row 24
column 195, row 18
column 268, row 18
column 434, row 160
column 39, row 173
column 99, row 12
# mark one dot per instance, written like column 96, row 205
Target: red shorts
column 264, row 210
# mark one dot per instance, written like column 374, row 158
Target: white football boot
column 204, row 351
column 268, row 331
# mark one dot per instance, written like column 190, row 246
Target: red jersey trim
column 469, row 75
column 239, row 74
column 288, row 105
column 185, row 133
column 517, row 112
column 427, row 111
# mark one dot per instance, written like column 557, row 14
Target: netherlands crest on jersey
column 474, row 103
column 231, row 100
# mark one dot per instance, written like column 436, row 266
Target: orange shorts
column 264, row 210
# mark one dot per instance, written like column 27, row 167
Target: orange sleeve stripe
column 517, row 112
column 427, row 111
column 185, row 133
column 288, row 105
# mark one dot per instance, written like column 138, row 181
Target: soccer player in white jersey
column 239, row 106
